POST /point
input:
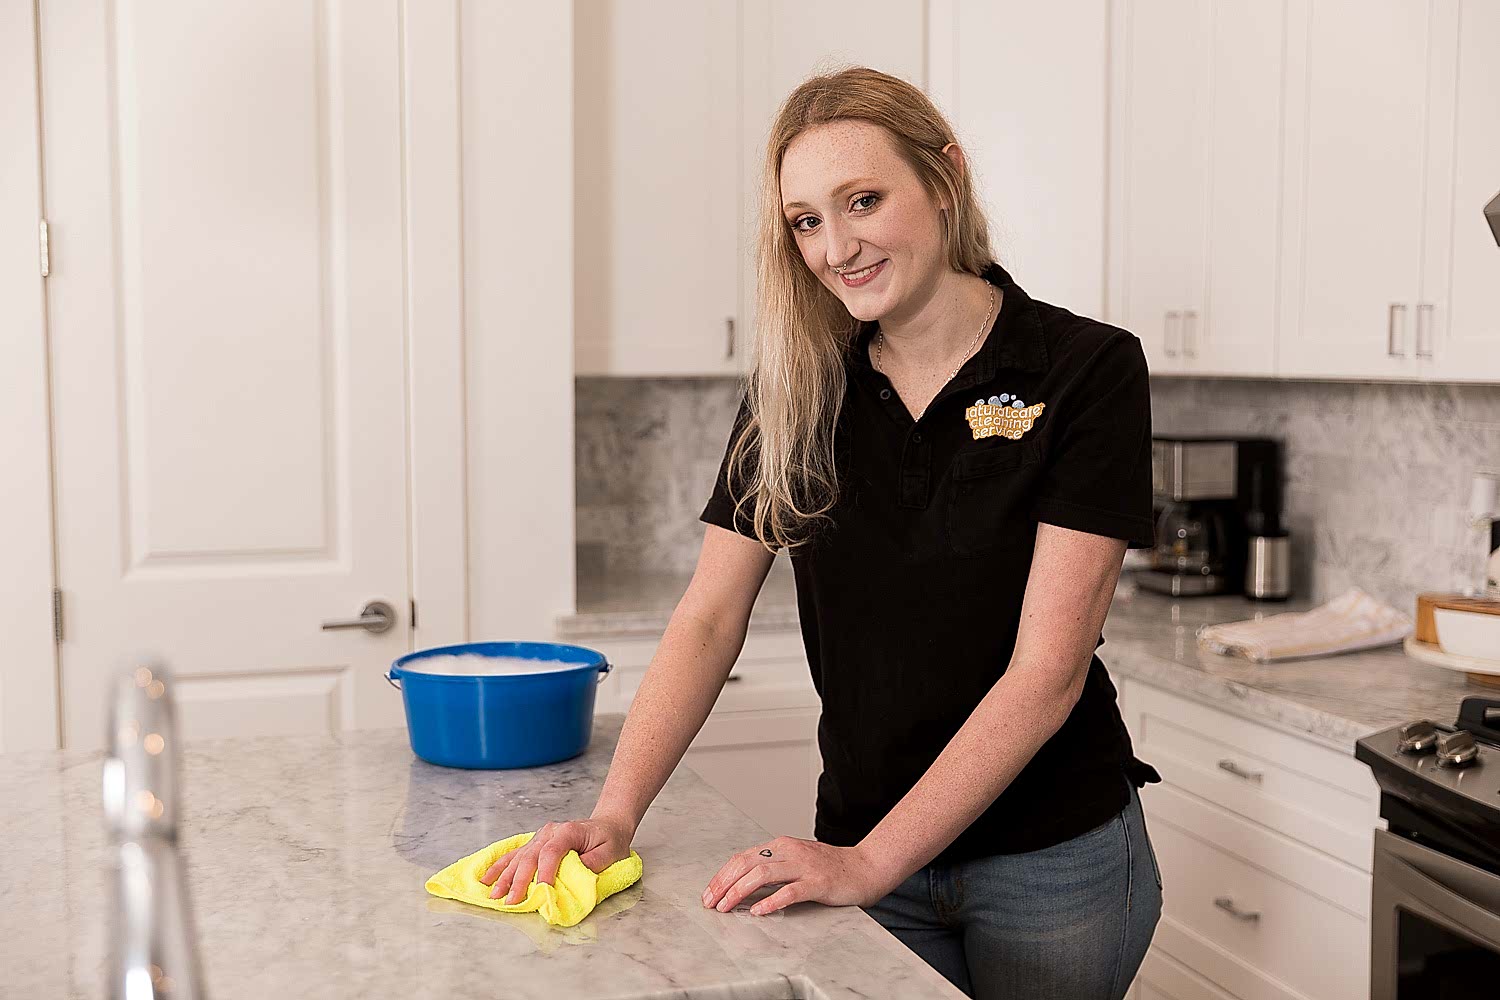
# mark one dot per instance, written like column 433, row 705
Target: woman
column 955, row 470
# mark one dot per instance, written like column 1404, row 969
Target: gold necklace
column 880, row 343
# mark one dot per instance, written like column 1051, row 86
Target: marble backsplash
column 1377, row 474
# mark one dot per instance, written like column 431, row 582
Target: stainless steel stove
column 1435, row 918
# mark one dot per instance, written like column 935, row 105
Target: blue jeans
column 1068, row 922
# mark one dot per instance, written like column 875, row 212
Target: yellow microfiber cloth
column 572, row 896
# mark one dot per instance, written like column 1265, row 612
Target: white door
column 223, row 182
column 1356, row 141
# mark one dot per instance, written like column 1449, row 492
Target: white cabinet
column 1023, row 85
column 1162, row 977
column 1195, row 120
column 657, row 191
column 1264, row 839
column 1363, row 97
column 1468, row 331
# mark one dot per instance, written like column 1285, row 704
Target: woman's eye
column 798, row 224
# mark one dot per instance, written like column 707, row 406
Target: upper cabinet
column 1468, row 331
column 1296, row 188
column 1023, row 86
column 1365, row 106
column 1194, row 124
column 656, row 187
column 674, row 101
column 1253, row 188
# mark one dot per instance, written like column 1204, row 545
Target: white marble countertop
column 306, row 859
column 1334, row 699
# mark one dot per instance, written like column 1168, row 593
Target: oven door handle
column 1405, row 868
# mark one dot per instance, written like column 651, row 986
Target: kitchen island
column 306, row 858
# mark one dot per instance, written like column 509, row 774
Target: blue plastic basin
column 505, row 720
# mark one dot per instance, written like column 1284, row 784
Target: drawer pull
column 1228, row 765
column 1226, row 904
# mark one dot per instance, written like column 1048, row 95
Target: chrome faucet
column 152, row 954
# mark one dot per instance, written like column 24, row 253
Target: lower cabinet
column 759, row 746
column 765, row 762
column 1264, row 838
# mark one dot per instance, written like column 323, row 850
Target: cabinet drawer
column 1162, row 977
column 1299, row 939
column 771, row 672
column 1310, row 792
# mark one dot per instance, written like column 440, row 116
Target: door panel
column 1469, row 333
column 1358, row 150
column 1162, row 176
column 224, row 186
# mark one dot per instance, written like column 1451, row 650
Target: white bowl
column 1468, row 633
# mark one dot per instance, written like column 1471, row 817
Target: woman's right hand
column 600, row 842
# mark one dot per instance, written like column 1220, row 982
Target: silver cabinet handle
column 729, row 336
column 1174, row 318
column 1390, row 330
column 377, row 616
column 1189, row 333
column 1424, row 329
column 1226, row 904
column 1228, row 765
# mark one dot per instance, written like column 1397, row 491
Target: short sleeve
column 720, row 507
column 1098, row 466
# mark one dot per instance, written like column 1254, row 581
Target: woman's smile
column 854, row 279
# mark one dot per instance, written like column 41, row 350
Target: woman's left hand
column 805, row 869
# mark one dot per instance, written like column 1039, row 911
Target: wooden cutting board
column 1426, row 629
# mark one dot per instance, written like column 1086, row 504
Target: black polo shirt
column 911, row 600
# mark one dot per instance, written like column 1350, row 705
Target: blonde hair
column 782, row 459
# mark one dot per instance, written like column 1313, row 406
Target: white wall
column 518, row 276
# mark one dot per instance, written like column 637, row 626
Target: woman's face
column 850, row 199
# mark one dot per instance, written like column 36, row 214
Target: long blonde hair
column 782, row 459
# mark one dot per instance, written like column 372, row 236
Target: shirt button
column 885, row 394
column 916, row 438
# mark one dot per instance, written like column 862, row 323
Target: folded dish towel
column 1353, row 620
column 572, row 896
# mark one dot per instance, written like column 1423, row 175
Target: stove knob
column 1457, row 749
column 1418, row 737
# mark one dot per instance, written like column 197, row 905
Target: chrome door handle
column 1227, row 905
column 377, row 616
column 729, row 335
column 1190, row 333
column 1390, row 330
column 1173, row 318
column 1228, row 765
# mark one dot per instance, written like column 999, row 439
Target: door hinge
column 46, row 261
column 413, row 602
column 57, row 616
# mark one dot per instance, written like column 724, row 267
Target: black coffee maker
column 1210, row 495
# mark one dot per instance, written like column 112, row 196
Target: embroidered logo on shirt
column 1003, row 415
